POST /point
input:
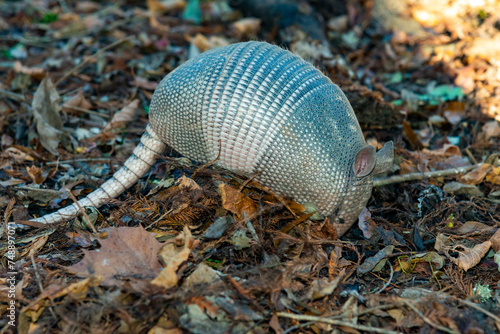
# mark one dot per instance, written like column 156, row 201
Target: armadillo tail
column 141, row 160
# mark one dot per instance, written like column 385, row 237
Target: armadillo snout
column 354, row 202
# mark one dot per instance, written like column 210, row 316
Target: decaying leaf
column 371, row 262
column 495, row 241
column 236, row 202
column 472, row 226
column 77, row 101
column 173, row 255
column 124, row 116
column 323, row 287
column 77, row 290
column 469, row 257
column 128, row 253
column 458, row 188
column 203, row 274
column 477, row 175
column 46, row 111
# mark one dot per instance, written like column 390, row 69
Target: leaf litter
column 196, row 249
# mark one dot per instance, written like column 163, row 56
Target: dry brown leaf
column 78, row 101
column 472, row 226
column 17, row 155
column 127, row 253
column 236, row 202
column 274, row 323
column 35, row 72
column 248, row 26
column 442, row 242
column 78, row 290
column 187, row 183
column 493, row 175
column 477, row 175
column 495, row 241
column 415, row 143
column 35, row 174
column 46, row 110
column 446, row 150
column 124, row 116
column 164, row 6
column 471, row 256
column 173, row 255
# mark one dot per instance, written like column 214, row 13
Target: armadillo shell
column 268, row 113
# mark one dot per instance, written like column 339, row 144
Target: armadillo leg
column 141, row 160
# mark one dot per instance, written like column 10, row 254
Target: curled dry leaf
column 495, row 241
column 124, row 116
column 236, row 202
column 18, row 155
column 173, row 255
column 187, row 183
column 477, row 175
column 471, row 256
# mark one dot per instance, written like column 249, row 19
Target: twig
column 427, row 320
column 86, row 60
column 388, row 281
column 90, row 112
column 335, row 322
column 420, row 176
column 82, row 210
column 80, row 160
column 13, row 96
column 480, row 309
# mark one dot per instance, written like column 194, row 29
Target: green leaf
column 49, row 17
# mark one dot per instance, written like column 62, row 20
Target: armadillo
column 257, row 110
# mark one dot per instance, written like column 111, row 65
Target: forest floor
column 197, row 249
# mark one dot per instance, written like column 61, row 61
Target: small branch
column 428, row 321
column 420, row 176
column 480, row 309
column 13, row 96
column 335, row 322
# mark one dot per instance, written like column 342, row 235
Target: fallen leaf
column 35, row 72
column 124, row 116
column 173, row 255
column 323, row 287
column 477, row 175
column 468, row 258
column 371, row 262
column 248, row 26
column 236, row 202
column 46, row 110
column 203, row 274
column 128, row 253
column 495, row 241
column 458, row 188
column 77, row 101
column 472, row 226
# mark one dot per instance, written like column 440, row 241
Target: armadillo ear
column 365, row 161
column 384, row 158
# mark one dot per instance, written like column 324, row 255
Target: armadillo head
column 366, row 164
